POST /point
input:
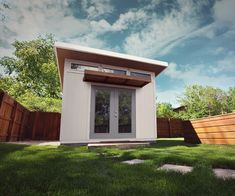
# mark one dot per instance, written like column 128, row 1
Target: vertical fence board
column 18, row 123
column 17, row 118
column 176, row 127
column 6, row 110
column 169, row 127
column 46, row 125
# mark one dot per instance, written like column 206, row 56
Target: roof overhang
column 110, row 78
column 71, row 51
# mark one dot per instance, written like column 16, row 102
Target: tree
column 35, row 103
column 34, row 67
column 231, row 98
column 203, row 101
column 11, row 86
column 31, row 76
column 164, row 110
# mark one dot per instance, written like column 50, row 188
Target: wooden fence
column 45, row 125
column 212, row 130
column 18, row 123
column 169, row 127
column 13, row 119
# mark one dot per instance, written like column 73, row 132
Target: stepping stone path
column 178, row 168
column 224, row 173
column 219, row 173
column 133, row 161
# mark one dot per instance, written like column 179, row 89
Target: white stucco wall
column 75, row 119
column 146, row 111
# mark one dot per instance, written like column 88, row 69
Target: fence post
column 34, row 120
column 1, row 97
column 12, row 119
column 169, row 124
column 24, row 124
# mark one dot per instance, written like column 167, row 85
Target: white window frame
column 103, row 66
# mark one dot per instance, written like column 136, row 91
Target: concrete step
column 122, row 145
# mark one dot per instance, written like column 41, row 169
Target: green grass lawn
column 35, row 170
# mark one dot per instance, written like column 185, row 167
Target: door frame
column 113, row 122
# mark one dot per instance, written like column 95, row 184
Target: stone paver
column 133, row 161
column 224, row 173
column 178, row 168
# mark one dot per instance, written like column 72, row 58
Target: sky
column 196, row 37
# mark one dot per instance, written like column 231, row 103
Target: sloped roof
column 71, row 51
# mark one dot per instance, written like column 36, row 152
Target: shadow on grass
column 6, row 149
column 58, row 172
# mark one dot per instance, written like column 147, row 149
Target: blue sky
column 196, row 37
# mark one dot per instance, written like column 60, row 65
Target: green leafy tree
column 31, row 75
column 34, row 67
column 203, row 101
column 35, row 103
column 11, row 86
column 165, row 110
column 231, row 98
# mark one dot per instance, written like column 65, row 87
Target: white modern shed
column 107, row 96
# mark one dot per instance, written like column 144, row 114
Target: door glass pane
column 124, row 120
column 102, row 110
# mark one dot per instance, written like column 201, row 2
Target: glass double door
column 112, row 113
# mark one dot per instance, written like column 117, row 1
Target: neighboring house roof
column 180, row 108
column 71, row 51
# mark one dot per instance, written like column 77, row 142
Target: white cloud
column 27, row 19
column 97, row 8
column 201, row 74
column 169, row 96
column 131, row 20
column 224, row 18
column 89, row 39
column 225, row 65
column 161, row 34
column 218, row 50
column 148, row 33
column 224, row 12
column 100, row 26
column 211, row 75
column 5, row 52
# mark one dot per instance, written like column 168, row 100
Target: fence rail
column 212, row 130
column 18, row 123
